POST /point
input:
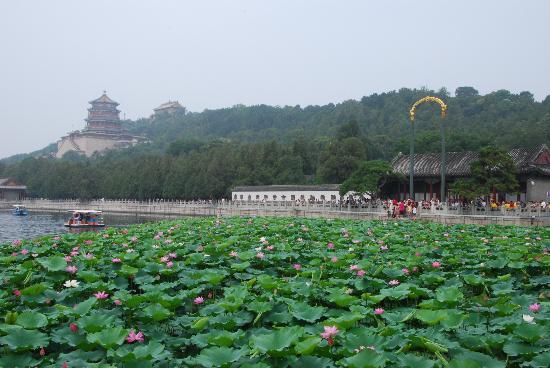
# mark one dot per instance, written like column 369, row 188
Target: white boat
column 85, row 218
column 19, row 210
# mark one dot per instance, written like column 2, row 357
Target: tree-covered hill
column 203, row 155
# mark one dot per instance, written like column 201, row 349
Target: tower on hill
column 103, row 131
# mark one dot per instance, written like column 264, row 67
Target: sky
column 57, row 55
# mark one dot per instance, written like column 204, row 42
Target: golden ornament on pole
column 428, row 99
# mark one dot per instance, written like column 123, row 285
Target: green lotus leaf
column 95, row 322
column 306, row 312
column 415, row 361
column 128, row 270
column 31, row 320
column 311, row 362
column 217, row 357
column 472, row 359
column 108, row 337
column 240, row 266
column 342, row 299
column 277, row 340
column 55, row 263
column 512, row 348
column 34, row 290
column 223, row 338
column 156, row 311
column 530, row 332
column 366, row 359
column 449, row 294
column 308, row 345
column 430, row 317
column 84, row 307
column 17, row 361
column 21, row 339
column 148, row 351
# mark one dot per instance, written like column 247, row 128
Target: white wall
column 288, row 194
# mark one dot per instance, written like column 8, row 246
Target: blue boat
column 19, row 210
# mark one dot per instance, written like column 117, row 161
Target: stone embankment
column 167, row 209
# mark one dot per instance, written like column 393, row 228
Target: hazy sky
column 58, row 55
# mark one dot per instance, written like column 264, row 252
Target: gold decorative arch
column 428, row 99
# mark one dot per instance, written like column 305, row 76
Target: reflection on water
column 42, row 223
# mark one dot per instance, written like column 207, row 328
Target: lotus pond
column 279, row 292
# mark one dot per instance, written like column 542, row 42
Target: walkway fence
column 170, row 208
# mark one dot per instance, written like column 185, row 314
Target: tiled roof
column 4, row 184
column 287, row 188
column 458, row 163
column 104, row 99
column 169, row 105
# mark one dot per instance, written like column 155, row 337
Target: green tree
column 368, row 178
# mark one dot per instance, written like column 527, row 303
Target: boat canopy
column 86, row 212
column 18, row 206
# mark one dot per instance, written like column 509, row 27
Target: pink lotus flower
column 57, row 237
column 534, row 307
column 65, row 365
column 101, row 295
column 116, row 260
column 105, row 236
column 383, row 247
column 68, row 259
column 334, row 259
column 124, row 231
column 156, row 237
column 270, row 247
column 297, row 266
column 260, row 255
column 24, row 252
column 164, row 259
column 73, row 327
column 329, row 334
column 133, row 337
column 134, row 239
column 16, row 243
column 16, row 293
column 361, row 273
column 117, row 302
column 14, row 254
column 330, row 245
column 198, row 300
column 415, row 269
column 172, row 255
column 233, row 254
column 378, row 311
column 168, row 241
column 42, row 352
column 436, row 264
column 169, row 264
column 418, row 254
column 393, row 282
column 353, row 267
column 405, row 271
column 74, row 253
column 88, row 242
column 356, row 241
column 71, row 269
column 89, row 256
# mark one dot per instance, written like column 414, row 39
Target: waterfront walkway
column 452, row 215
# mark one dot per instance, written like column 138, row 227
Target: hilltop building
column 532, row 165
column 103, row 131
column 11, row 190
column 169, row 108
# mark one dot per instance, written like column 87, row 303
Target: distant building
column 169, row 108
column 327, row 192
column 103, row 131
column 532, row 164
column 11, row 190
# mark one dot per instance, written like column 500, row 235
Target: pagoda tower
column 103, row 131
column 103, row 116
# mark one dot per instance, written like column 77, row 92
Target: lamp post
column 412, row 112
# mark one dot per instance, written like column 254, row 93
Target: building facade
column 169, row 108
column 11, row 190
column 281, row 193
column 532, row 165
column 103, row 131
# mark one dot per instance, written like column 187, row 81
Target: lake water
column 43, row 223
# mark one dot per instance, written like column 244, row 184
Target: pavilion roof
column 104, row 99
column 458, row 163
column 168, row 105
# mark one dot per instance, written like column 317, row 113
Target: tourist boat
column 19, row 210
column 85, row 219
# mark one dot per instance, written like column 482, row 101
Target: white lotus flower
column 71, row 283
column 529, row 319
